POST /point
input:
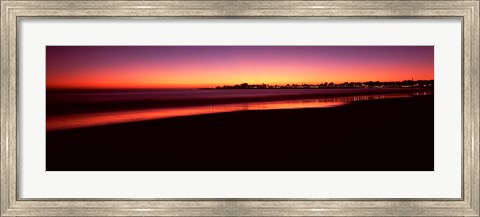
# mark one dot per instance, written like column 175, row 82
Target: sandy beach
column 373, row 135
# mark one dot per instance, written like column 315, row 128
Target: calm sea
column 167, row 103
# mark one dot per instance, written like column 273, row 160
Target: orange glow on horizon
column 157, row 67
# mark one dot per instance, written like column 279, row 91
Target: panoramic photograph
column 240, row 108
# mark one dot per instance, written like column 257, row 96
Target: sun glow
column 210, row 66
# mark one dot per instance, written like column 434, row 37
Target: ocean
column 69, row 109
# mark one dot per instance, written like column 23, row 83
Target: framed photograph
column 239, row 108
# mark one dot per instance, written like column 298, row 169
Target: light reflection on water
column 105, row 118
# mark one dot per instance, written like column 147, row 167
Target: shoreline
column 71, row 121
column 378, row 135
column 81, row 107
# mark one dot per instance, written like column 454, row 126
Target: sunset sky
column 210, row 66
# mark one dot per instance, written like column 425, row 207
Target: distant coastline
column 327, row 85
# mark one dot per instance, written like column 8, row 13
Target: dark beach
column 375, row 135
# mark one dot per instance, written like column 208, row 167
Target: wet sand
column 77, row 102
column 375, row 135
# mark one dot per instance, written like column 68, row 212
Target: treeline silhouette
column 369, row 84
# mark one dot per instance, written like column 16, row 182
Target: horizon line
column 214, row 86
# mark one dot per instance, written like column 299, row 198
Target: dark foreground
column 376, row 135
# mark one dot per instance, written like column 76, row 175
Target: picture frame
column 12, row 11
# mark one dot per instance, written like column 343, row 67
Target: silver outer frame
column 12, row 10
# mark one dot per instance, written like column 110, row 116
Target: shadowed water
column 70, row 121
